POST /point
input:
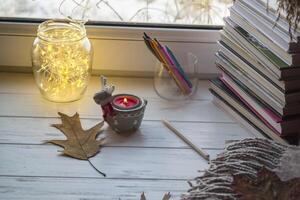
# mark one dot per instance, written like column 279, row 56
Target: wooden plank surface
column 34, row 105
column 151, row 133
column 116, row 162
column 153, row 159
column 41, row 188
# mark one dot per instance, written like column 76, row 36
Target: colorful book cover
column 232, row 95
column 278, row 62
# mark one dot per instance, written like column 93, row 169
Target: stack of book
column 259, row 60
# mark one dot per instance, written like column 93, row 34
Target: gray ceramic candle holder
column 121, row 120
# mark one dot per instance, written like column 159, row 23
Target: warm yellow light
column 63, row 64
column 125, row 101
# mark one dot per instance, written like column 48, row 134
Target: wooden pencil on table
column 200, row 151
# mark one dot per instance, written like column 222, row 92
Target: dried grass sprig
column 292, row 8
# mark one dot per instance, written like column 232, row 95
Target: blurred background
column 183, row 12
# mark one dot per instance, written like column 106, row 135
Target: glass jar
column 62, row 60
column 175, row 88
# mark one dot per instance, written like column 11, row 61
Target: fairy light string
column 64, row 60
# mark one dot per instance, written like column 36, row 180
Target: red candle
column 126, row 101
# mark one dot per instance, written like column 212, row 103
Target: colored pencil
column 171, row 67
column 169, row 63
column 172, row 72
column 177, row 64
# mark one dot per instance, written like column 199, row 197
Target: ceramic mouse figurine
column 104, row 97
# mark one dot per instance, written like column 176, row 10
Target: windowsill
column 152, row 160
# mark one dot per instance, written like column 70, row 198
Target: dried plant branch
column 181, row 7
column 110, row 7
column 292, row 8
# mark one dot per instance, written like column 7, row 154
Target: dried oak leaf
column 80, row 144
column 167, row 196
column 267, row 186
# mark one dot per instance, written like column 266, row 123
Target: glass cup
column 175, row 84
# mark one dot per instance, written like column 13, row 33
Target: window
column 115, row 28
column 188, row 12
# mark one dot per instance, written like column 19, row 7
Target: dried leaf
column 268, row 186
column 80, row 144
column 143, row 196
column 167, row 196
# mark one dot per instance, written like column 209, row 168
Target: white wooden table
column 152, row 160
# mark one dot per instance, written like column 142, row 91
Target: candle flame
column 125, row 100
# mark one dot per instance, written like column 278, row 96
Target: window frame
column 111, row 40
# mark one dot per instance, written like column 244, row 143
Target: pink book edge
column 249, row 106
column 268, row 111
